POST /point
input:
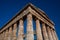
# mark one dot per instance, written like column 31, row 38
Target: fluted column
column 14, row 31
column 44, row 31
column 53, row 34
column 7, row 34
column 30, row 35
column 0, row 36
column 10, row 33
column 3, row 35
column 38, row 30
column 49, row 33
column 20, row 31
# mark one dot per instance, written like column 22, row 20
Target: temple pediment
column 27, row 17
column 33, row 10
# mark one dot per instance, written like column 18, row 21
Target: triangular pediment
column 29, row 8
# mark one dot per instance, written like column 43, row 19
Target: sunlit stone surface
column 14, row 29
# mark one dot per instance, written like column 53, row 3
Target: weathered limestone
column 10, row 33
column 49, row 33
column 6, row 35
column 38, row 30
column 53, row 34
column 44, row 31
column 3, row 35
column 0, row 36
column 30, row 34
column 21, row 30
column 14, row 31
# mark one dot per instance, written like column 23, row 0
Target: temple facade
column 30, row 23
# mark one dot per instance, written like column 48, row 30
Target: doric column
column 0, row 36
column 44, row 31
column 6, row 35
column 14, row 31
column 30, row 34
column 49, row 33
column 20, row 31
column 53, row 34
column 10, row 33
column 3, row 35
column 38, row 30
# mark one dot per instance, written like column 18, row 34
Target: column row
column 44, row 33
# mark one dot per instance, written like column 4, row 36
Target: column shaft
column 10, row 33
column 14, row 31
column 20, row 31
column 38, row 30
column 45, row 35
column 3, row 35
column 0, row 36
column 49, row 33
column 6, row 35
column 53, row 34
column 30, row 34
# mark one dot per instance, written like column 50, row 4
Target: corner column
column 53, row 34
column 44, row 31
column 38, row 30
column 21, row 30
column 30, row 34
column 49, row 33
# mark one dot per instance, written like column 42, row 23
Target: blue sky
column 8, row 8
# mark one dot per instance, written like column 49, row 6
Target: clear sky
column 8, row 8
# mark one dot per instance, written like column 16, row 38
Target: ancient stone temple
column 30, row 23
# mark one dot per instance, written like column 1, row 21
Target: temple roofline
column 32, row 6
